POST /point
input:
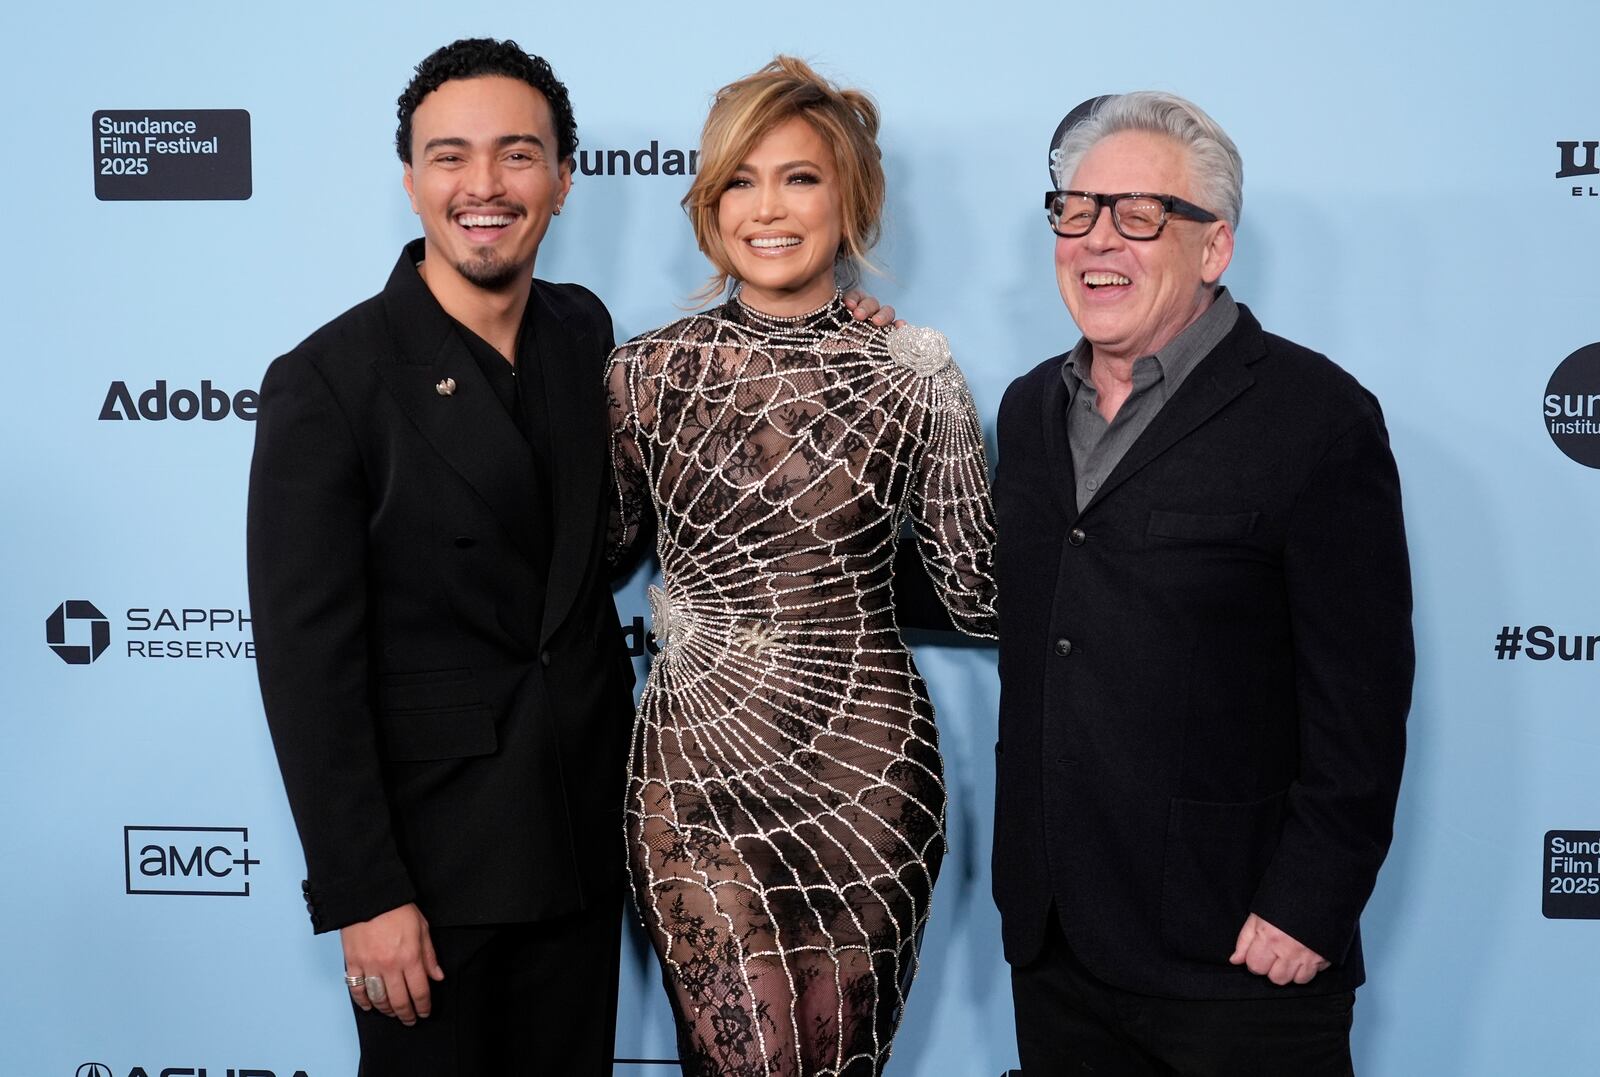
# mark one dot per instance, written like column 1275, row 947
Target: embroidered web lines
column 785, row 806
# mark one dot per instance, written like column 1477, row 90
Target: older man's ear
column 1218, row 252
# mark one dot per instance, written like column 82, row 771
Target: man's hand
column 866, row 308
column 1266, row 951
column 393, row 946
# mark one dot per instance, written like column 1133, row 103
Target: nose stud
column 446, row 387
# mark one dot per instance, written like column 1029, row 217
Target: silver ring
column 353, row 982
column 375, row 988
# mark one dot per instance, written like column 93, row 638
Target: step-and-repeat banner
column 192, row 188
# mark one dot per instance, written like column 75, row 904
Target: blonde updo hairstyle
column 742, row 114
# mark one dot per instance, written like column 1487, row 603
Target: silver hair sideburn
column 1217, row 168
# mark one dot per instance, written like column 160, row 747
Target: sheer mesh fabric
column 785, row 806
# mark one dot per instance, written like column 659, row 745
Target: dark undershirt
column 520, row 389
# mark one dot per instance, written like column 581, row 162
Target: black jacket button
column 1076, row 536
column 544, row 658
column 1063, row 647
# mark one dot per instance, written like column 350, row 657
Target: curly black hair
column 475, row 57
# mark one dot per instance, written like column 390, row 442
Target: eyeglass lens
column 1136, row 218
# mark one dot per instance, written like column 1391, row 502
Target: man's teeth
column 766, row 242
column 1094, row 280
column 478, row 220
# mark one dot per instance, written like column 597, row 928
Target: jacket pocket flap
column 1202, row 527
column 443, row 733
column 444, row 689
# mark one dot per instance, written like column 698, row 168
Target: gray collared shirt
column 1098, row 446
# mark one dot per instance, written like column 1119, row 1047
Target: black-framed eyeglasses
column 1134, row 214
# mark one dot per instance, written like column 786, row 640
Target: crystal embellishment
column 919, row 348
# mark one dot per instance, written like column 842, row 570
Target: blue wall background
column 1400, row 214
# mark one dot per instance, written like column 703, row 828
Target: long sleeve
column 950, row 506
column 1349, row 588
column 628, row 519
column 308, row 519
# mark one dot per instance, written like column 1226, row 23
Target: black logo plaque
column 171, row 154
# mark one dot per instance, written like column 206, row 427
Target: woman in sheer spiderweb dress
column 785, row 806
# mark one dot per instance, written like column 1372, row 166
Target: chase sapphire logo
column 66, row 628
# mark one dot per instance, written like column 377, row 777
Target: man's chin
column 491, row 273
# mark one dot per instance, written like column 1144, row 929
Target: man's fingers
column 358, row 991
column 400, row 999
column 417, row 986
column 430, row 960
column 884, row 315
column 377, row 991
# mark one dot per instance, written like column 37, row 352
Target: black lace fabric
column 786, row 798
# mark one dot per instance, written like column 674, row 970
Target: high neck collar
column 831, row 313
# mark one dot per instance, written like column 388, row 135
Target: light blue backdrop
column 1401, row 215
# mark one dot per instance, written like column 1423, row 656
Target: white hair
column 1214, row 160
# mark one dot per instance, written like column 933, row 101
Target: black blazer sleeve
column 1349, row 589
column 307, row 533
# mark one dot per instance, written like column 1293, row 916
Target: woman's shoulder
column 690, row 332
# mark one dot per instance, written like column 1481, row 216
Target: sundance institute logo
column 1572, row 406
column 65, row 629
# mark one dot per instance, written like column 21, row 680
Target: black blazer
column 437, row 744
column 1204, row 675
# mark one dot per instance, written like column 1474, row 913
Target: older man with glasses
column 1206, row 655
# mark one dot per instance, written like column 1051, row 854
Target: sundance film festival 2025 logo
column 100, row 1069
column 1572, row 875
column 1572, row 406
column 79, row 633
column 197, row 861
column 158, row 403
column 1579, row 159
column 144, row 155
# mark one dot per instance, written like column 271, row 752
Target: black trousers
column 1070, row 1022
column 516, row 999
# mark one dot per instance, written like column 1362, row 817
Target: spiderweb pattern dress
column 785, row 806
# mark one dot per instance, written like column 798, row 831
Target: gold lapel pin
column 446, row 387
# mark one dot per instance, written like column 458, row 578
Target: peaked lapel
column 468, row 427
column 1218, row 379
column 572, row 379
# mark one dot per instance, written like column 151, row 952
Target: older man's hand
column 1278, row 956
column 865, row 308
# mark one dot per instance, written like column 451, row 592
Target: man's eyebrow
column 461, row 143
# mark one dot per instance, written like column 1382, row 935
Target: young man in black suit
column 1206, row 653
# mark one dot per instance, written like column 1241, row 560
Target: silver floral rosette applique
column 919, row 348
